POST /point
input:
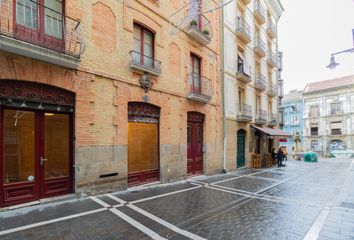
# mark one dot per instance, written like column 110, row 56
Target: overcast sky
column 309, row 31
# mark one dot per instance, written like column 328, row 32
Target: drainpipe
column 223, row 89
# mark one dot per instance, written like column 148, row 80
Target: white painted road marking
column 166, row 224
column 137, row 225
column 12, row 230
column 165, row 194
column 99, row 201
column 116, row 199
column 316, row 227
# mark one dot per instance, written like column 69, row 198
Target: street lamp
column 333, row 64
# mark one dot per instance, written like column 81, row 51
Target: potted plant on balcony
column 206, row 32
column 193, row 23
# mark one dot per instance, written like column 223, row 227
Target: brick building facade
column 102, row 58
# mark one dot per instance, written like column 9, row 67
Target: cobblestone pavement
column 300, row 201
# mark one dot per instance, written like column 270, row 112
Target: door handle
column 43, row 160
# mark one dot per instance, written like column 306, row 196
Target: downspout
column 223, row 89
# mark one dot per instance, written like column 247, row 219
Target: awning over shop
column 272, row 131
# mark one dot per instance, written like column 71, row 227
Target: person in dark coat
column 280, row 157
column 274, row 155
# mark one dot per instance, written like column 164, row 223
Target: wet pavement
column 300, row 201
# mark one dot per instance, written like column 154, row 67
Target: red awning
column 272, row 131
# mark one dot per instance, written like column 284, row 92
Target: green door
column 241, row 148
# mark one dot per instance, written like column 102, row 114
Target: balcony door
column 36, row 155
column 144, row 46
column 195, row 76
column 40, row 22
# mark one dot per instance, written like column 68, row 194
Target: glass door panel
column 53, row 18
column 26, row 13
column 56, row 145
column 19, row 146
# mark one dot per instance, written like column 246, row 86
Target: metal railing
column 259, row 10
column 37, row 24
column 244, row 69
column 244, row 111
column 260, row 82
column 272, row 89
column 273, row 119
column 261, row 117
column 201, row 24
column 271, row 27
column 259, row 44
column 145, row 61
column 200, row 85
column 271, row 58
column 242, row 26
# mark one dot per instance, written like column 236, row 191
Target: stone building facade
column 124, row 100
column 292, row 106
column 250, row 78
column 328, row 115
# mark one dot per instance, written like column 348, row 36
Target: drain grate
column 347, row 205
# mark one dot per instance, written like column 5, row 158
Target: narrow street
column 299, row 201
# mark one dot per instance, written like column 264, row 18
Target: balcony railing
column 200, row 29
column 261, row 117
column 200, row 88
column 272, row 61
column 335, row 111
column 259, row 46
column 271, row 29
column 259, row 12
column 260, row 82
column 273, row 119
column 244, row 72
column 243, row 30
column 244, row 113
column 145, row 63
column 27, row 26
column 272, row 90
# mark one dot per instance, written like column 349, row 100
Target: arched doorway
column 336, row 144
column 143, row 143
column 36, row 141
column 241, row 143
column 195, row 143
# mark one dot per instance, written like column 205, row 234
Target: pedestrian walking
column 280, row 157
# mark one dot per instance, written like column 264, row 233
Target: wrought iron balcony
column 244, row 113
column 272, row 89
column 243, row 30
column 271, row 29
column 200, row 88
column 200, row 29
column 259, row 12
column 244, row 72
column 260, row 82
column 259, row 47
column 272, row 61
column 261, row 117
column 273, row 119
column 33, row 30
column 145, row 63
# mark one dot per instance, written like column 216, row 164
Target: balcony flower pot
column 206, row 32
column 193, row 23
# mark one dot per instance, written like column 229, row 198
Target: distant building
column 292, row 107
column 329, row 115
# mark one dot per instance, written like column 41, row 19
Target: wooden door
column 195, row 143
column 143, row 143
column 37, row 155
column 241, row 148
